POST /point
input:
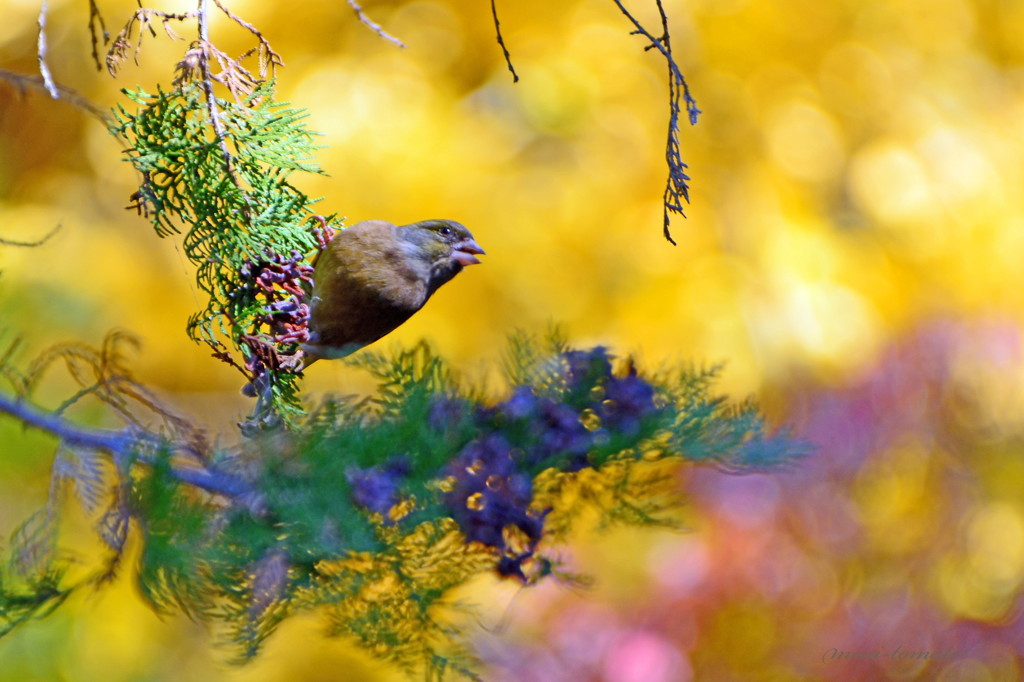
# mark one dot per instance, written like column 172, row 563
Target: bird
column 375, row 275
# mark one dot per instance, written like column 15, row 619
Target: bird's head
column 443, row 247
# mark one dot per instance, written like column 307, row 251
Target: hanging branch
column 232, row 194
column 676, row 188
column 501, row 42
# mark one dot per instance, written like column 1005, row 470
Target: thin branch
column 39, row 242
column 372, row 25
column 44, row 68
column 676, row 189
column 662, row 45
column 24, row 83
column 120, row 443
column 118, row 51
column 217, row 482
column 267, row 54
column 9, row 353
column 211, row 97
column 96, row 20
column 501, row 42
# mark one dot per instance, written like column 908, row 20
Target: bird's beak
column 466, row 253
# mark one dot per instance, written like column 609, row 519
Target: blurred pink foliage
column 803, row 574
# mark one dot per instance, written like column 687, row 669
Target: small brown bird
column 374, row 275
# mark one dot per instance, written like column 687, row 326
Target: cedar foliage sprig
column 237, row 218
column 217, row 168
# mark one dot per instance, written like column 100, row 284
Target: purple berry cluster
column 549, row 432
column 628, row 400
column 491, row 479
column 490, row 496
column 377, row 488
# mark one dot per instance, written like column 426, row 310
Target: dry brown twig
column 676, row 186
column 235, row 77
column 202, row 62
column 97, row 25
column 211, row 98
column 141, row 20
column 268, row 57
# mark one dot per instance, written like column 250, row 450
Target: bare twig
column 501, row 42
column 24, row 83
column 676, row 188
column 44, row 68
column 144, row 18
column 237, row 79
column 122, row 443
column 211, row 97
column 372, row 25
column 267, row 55
column 39, row 242
column 663, row 45
column 96, row 20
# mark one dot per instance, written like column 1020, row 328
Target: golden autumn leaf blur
column 851, row 253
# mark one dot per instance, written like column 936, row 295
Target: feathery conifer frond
column 239, row 215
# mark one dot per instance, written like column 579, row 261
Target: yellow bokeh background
column 852, row 253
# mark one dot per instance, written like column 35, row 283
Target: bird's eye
column 445, row 231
